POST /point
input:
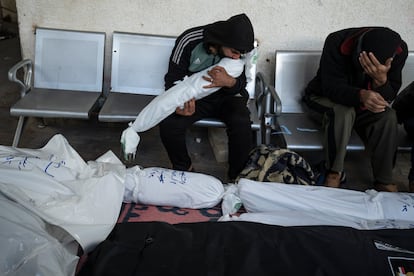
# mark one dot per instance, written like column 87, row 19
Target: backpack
column 272, row 164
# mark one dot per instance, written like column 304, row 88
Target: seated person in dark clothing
column 359, row 75
column 195, row 50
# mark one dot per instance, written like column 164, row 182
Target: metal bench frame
column 68, row 74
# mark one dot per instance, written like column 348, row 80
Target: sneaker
column 380, row 187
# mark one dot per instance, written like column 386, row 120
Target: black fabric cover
column 245, row 248
column 404, row 103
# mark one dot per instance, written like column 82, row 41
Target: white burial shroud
column 165, row 104
column 191, row 87
column 295, row 205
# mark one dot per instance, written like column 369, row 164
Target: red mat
column 131, row 212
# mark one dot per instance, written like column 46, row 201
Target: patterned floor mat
column 131, row 212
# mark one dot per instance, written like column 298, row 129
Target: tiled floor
column 91, row 138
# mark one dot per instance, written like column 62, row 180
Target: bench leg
column 268, row 132
column 259, row 137
column 18, row 132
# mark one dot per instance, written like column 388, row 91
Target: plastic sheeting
column 51, row 201
column 28, row 248
column 295, row 205
column 250, row 70
column 165, row 187
column 56, row 184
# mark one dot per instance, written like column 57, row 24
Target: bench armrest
column 267, row 99
column 26, row 80
column 259, row 94
column 273, row 102
column 268, row 105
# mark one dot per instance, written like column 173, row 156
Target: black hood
column 383, row 42
column 236, row 32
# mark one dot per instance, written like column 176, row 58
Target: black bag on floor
column 273, row 164
column 246, row 248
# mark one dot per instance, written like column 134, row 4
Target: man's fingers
column 374, row 107
column 377, row 104
column 373, row 101
column 188, row 108
column 191, row 105
column 373, row 59
column 388, row 62
column 378, row 100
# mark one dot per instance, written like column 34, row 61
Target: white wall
column 288, row 24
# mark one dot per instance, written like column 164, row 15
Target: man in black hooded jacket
column 359, row 75
column 195, row 50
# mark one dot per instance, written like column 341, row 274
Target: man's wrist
column 361, row 99
column 378, row 83
column 232, row 83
